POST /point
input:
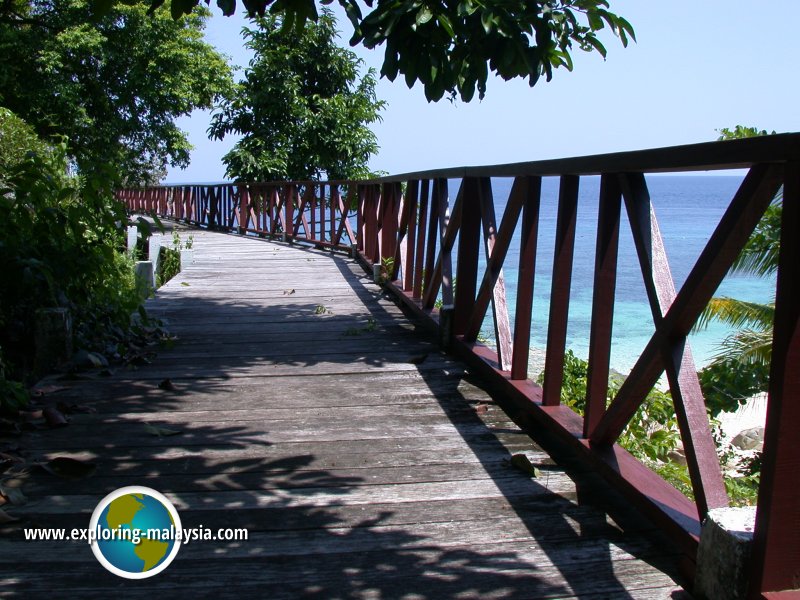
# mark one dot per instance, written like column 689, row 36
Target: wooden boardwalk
column 363, row 462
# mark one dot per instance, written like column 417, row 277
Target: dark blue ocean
column 688, row 208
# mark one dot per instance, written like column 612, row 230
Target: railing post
column 776, row 543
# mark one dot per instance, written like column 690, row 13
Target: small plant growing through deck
column 322, row 310
column 169, row 260
column 372, row 325
column 387, row 269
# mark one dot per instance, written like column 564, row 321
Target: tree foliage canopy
column 302, row 108
column 112, row 86
column 450, row 47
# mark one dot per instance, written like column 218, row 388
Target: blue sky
column 697, row 67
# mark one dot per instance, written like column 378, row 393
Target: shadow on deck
column 363, row 462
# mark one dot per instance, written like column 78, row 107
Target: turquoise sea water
column 688, row 208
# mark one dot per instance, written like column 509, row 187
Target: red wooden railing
column 408, row 224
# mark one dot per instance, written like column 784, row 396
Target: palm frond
column 760, row 254
column 747, row 347
column 737, row 314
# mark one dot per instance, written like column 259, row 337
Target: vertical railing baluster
column 433, row 236
column 361, row 191
column 687, row 396
column 419, row 260
column 371, row 222
column 401, row 241
column 389, row 212
column 313, row 210
column 412, row 198
column 502, row 326
column 288, row 208
column 560, row 290
column 445, row 250
column 332, row 191
column 531, row 191
column 605, row 281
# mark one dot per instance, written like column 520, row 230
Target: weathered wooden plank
column 458, row 571
column 360, row 469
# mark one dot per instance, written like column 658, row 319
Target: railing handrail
column 704, row 156
column 411, row 231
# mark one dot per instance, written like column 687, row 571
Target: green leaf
column 446, row 25
column 102, row 7
column 595, row 22
column 487, row 20
column 161, row 431
column 154, row 6
column 228, row 7
column 423, row 15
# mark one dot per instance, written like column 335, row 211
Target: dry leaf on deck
column 418, row 359
column 521, row 462
column 13, row 495
column 68, row 468
column 6, row 518
column 54, row 417
column 166, row 384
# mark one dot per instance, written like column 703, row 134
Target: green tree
column 302, row 108
column 451, row 47
column 112, row 86
column 742, row 366
column 58, row 247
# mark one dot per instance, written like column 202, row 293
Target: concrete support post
column 133, row 234
column 154, row 251
column 724, row 554
column 446, row 326
column 145, row 278
column 187, row 258
column 53, row 338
